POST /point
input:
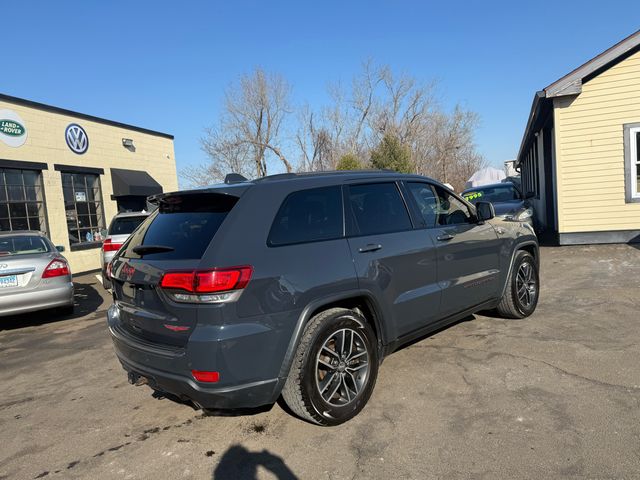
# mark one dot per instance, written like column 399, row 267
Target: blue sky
column 165, row 65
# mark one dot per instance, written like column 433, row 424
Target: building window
column 530, row 173
column 22, row 205
column 83, row 206
column 632, row 162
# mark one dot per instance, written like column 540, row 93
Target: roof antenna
column 234, row 178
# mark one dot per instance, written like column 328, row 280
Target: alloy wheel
column 342, row 367
column 526, row 285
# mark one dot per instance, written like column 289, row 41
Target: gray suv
column 298, row 285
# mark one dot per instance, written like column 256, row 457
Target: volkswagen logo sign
column 77, row 138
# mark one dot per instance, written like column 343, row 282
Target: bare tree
column 378, row 103
column 252, row 135
column 448, row 152
column 249, row 130
column 316, row 144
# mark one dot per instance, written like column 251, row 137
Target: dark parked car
column 300, row 284
column 508, row 202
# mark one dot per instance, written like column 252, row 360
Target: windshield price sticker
column 472, row 196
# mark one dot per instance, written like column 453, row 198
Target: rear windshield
column 182, row 226
column 22, row 245
column 502, row 193
column 125, row 225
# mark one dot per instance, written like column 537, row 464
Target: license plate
column 8, row 281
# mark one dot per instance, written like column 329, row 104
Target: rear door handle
column 372, row 247
column 445, row 237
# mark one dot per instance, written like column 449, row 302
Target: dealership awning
column 133, row 183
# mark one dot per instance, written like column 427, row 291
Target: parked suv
column 508, row 202
column 122, row 225
column 300, row 284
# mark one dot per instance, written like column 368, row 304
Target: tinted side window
column 308, row 216
column 426, row 202
column 125, row 225
column 377, row 208
column 451, row 211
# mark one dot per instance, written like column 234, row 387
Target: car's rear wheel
column 106, row 282
column 334, row 369
column 523, row 288
column 67, row 310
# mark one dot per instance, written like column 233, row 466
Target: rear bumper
column 41, row 299
column 186, row 389
column 245, row 382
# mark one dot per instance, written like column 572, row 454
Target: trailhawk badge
column 12, row 129
column 77, row 138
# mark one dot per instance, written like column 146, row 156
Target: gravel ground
column 552, row 396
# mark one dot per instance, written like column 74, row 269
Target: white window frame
column 634, row 162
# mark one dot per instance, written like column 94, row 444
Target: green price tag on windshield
column 472, row 196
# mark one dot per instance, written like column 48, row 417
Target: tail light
column 207, row 286
column 109, row 246
column 56, row 268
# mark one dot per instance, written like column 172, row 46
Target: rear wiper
column 144, row 249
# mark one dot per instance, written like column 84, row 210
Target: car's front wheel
column 334, row 369
column 523, row 288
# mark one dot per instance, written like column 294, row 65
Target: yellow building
column 580, row 154
column 68, row 174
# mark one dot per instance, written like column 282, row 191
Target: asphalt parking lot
column 553, row 396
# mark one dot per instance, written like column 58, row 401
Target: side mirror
column 485, row 211
column 60, row 248
column 529, row 195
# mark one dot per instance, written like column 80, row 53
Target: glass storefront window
column 22, row 200
column 83, row 207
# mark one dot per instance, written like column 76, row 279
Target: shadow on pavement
column 468, row 318
column 241, row 464
column 87, row 300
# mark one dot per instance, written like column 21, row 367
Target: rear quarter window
column 308, row 216
column 185, row 224
column 125, row 225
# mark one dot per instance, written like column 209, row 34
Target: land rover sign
column 12, row 129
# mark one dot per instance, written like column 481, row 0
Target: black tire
column 106, row 282
column 516, row 302
column 302, row 390
column 68, row 310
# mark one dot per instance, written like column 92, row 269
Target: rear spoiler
column 235, row 190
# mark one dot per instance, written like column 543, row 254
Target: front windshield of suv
column 494, row 194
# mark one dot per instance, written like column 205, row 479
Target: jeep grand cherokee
column 298, row 285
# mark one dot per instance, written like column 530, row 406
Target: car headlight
column 525, row 214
